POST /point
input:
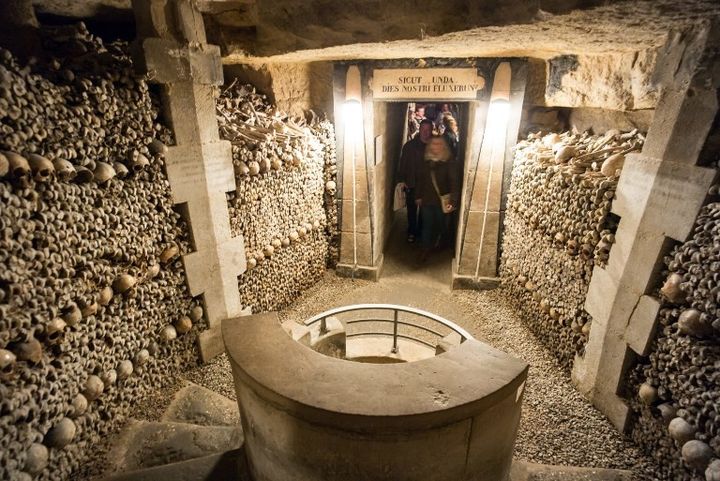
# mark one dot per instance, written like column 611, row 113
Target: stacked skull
column 680, row 426
column 284, row 205
column 86, row 221
column 558, row 227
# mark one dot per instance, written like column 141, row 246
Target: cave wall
column 94, row 308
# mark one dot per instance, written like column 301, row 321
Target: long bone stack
column 284, row 206
column 676, row 390
column 94, row 310
column 558, row 226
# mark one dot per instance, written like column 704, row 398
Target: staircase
column 199, row 438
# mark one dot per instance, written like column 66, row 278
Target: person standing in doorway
column 409, row 166
column 436, row 180
column 414, row 120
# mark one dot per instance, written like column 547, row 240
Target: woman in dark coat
column 436, row 178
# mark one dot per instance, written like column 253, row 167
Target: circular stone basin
column 307, row 416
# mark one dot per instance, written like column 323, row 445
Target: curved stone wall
column 94, row 310
column 310, row 417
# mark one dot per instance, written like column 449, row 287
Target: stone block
column 195, row 404
column 686, row 110
column 474, row 236
column 166, row 61
column 190, row 166
column 148, row 444
column 640, row 331
column 474, row 283
column 368, row 273
column 679, row 189
column 599, row 300
column 297, row 331
column 468, row 258
column 348, row 245
column 189, row 21
column 361, row 184
column 492, row 438
column 362, row 210
column 214, row 273
column 154, row 18
column 192, row 112
column 484, row 180
column 206, row 65
column 210, row 341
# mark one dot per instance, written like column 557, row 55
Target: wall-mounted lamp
column 496, row 135
column 352, row 107
column 499, row 110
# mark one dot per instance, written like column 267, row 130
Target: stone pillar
column 658, row 197
column 357, row 256
column 487, row 166
column 175, row 54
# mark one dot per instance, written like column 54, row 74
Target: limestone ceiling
column 309, row 30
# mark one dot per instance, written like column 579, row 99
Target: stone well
column 307, row 416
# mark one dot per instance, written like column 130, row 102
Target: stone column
column 658, row 197
column 487, row 166
column 357, row 256
column 175, row 54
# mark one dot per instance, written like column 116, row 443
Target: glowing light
column 353, row 119
column 497, row 120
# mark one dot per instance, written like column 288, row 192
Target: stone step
column 225, row 466
column 195, row 404
column 524, row 471
column 147, row 444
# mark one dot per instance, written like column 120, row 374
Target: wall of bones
column 558, row 226
column 674, row 391
column 94, row 309
column 284, row 206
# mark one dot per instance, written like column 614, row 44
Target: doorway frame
column 468, row 270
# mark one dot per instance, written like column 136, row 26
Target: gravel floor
column 558, row 426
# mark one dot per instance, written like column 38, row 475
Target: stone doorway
column 491, row 93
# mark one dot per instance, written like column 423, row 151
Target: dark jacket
column 446, row 176
column 411, row 158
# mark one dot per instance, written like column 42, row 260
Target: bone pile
column 94, row 310
column 677, row 388
column 284, row 206
column 557, row 227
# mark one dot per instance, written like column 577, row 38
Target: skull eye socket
column 7, row 369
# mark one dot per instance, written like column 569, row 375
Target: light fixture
column 496, row 134
column 352, row 107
